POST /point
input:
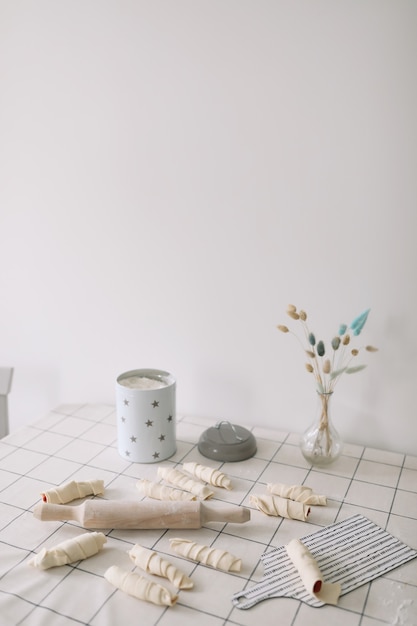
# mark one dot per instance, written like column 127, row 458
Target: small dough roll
column 69, row 551
column 300, row 493
column 179, row 479
column 162, row 492
column 151, row 562
column 72, row 491
column 139, row 586
column 281, row 507
column 208, row 474
column 219, row 559
column 310, row 573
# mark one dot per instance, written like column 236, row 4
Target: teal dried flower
column 342, row 329
column 312, row 339
column 320, row 348
column 359, row 322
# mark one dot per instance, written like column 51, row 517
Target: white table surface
column 78, row 442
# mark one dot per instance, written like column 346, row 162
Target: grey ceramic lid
column 227, row 442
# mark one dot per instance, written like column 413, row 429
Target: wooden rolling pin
column 99, row 513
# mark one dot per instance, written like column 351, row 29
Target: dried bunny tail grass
column 371, row 349
column 283, row 328
column 310, row 354
column 354, row 352
column 327, row 367
column 346, row 340
column 335, row 343
column 321, row 350
column 309, row 368
column 291, row 307
column 293, row 314
column 303, row 315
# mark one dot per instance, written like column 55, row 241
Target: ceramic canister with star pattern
column 145, row 403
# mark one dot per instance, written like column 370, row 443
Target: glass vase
column 321, row 443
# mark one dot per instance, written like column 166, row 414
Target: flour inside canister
column 142, row 382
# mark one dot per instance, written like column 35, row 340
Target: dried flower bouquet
column 327, row 363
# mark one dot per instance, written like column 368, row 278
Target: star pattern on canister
column 152, row 438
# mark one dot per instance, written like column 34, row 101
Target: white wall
column 175, row 172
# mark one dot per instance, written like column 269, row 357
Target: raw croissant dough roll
column 179, row 479
column 69, row 551
column 162, row 492
column 310, row 573
column 300, row 493
column 151, row 562
column 219, row 559
column 139, row 586
column 208, row 474
column 282, row 507
column 72, row 491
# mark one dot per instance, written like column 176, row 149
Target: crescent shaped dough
column 208, row 474
column 72, row 491
column 162, row 492
column 151, row 562
column 139, row 586
column 300, row 493
column 69, row 551
column 281, row 507
column 179, row 479
column 310, row 573
column 219, row 559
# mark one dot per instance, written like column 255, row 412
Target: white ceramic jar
column 146, row 424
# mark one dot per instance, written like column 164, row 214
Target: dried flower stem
column 323, row 430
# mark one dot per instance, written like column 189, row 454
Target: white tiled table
column 79, row 442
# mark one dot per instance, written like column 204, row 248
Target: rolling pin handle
column 224, row 513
